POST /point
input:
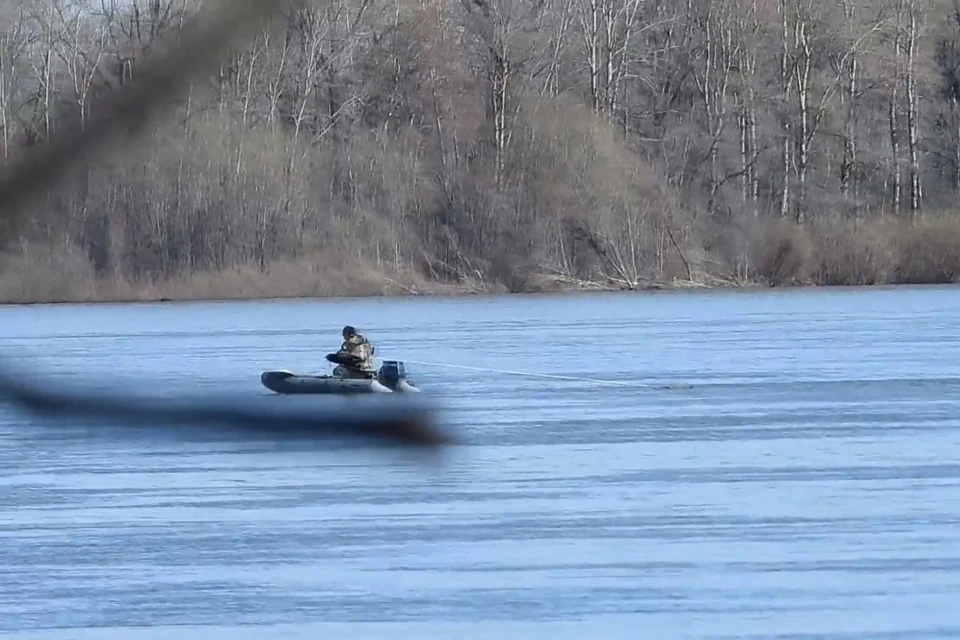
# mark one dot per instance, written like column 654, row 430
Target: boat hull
column 287, row 383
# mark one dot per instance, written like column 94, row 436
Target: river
column 772, row 464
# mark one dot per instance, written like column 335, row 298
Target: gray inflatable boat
column 391, row 377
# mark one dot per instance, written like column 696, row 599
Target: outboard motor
column 392, row 373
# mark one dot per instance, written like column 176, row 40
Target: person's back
column 356, row 348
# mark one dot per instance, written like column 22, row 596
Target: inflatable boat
column 391, row 377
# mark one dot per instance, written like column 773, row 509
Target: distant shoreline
column 449, row 291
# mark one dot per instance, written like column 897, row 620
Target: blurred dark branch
column 127, row 110
column 184, row 54
column 404, row 424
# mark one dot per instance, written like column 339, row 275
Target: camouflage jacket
column 357, row 345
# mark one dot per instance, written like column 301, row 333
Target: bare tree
column 15, row 38
column 787, row 70
column 947, row 58
column 501, row 27
column 607, row 28
column 714, row 75
column 80, row 41
column 916, row 18
column 748, row 28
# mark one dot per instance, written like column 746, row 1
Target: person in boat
column 355, row 357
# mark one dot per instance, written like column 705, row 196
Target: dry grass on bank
column 829, row 252
column 871, row 251
column 47, row 276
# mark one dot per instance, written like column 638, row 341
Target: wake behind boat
column 391, row 377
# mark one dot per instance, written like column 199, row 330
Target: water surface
column 762, row 465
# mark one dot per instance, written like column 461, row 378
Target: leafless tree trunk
column 915, row 20
column 251, row 63
column 275, row 83
column 893, row 107
column 606, row 28
column 721, row 50
column 848, row 165
column 81, row 44
column 499, row 24
column 748, row 25
column 786, row 83
column 14, row 41
column 564, row 19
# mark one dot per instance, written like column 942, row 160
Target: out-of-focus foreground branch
column 184, row 54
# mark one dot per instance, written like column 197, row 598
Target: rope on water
column 530, row 374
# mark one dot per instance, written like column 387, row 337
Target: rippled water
column 768, row 465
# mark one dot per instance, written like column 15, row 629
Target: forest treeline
column 367, row 146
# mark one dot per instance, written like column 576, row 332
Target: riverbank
column 250, row 285
column 416, row 172
column 829, row 253
column 126, row 293
column 285, row 282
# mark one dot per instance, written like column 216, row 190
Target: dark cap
column 349, row 331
